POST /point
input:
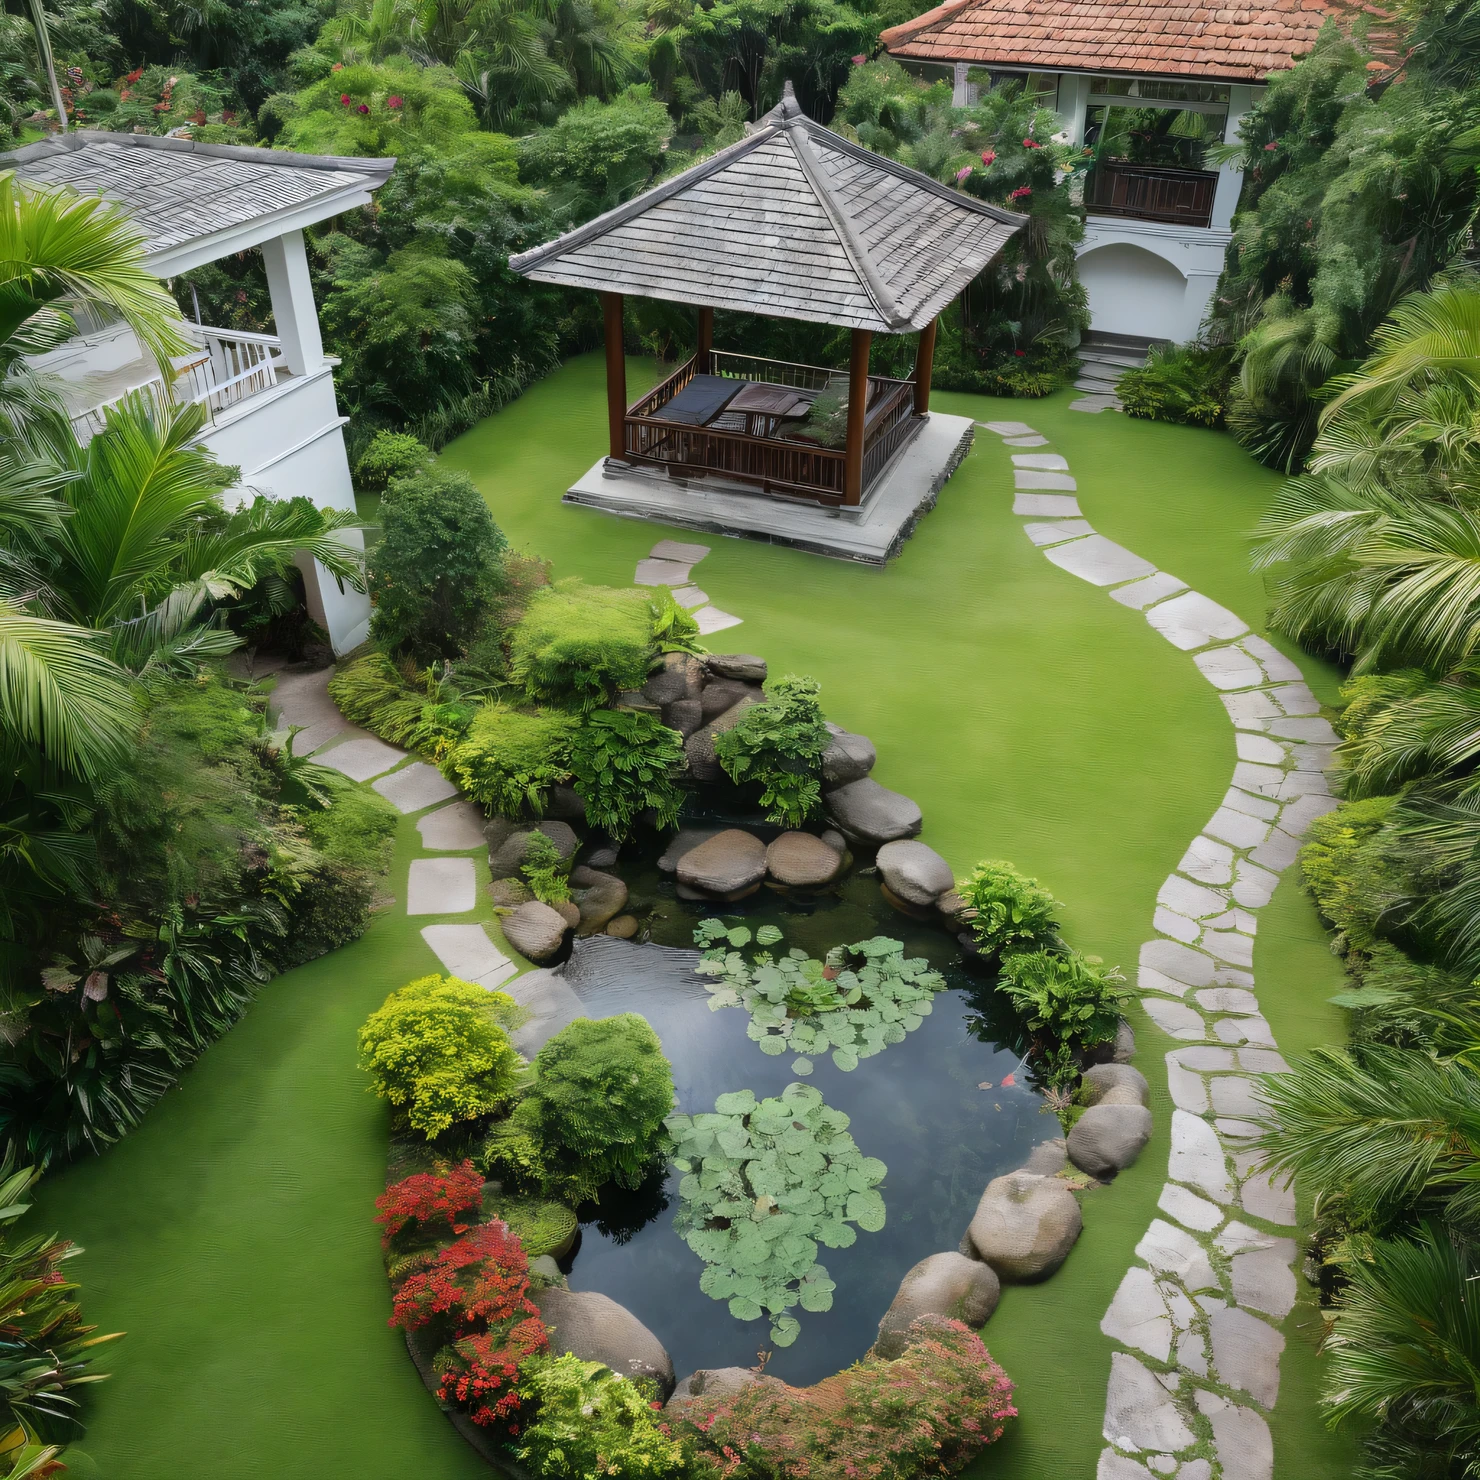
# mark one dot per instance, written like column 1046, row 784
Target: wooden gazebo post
column 704, row 342
column 924, row 363
column 857, row 415
column 616, row 375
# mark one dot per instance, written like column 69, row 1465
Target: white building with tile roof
column 269, row 398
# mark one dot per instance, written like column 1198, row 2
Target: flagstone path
column 1198, row 1316
column 670, row 563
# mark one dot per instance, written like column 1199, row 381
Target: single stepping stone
column 1141, row 594
column 677, row 550
column 1095, row 387
column 441, row 886
column 453, row 829
column 711, row 619
column 310, row 737
column 1034, row 441
column 1047, row 505
column 1229, row 668
column 362, row 759
column 1192, row 620
column 418, row 786
column 1044, row 462
column 1099, row 561
column 1027, row 478
column 652, row 572
column 1056, row 534
column 1096, row 404
column 688, row 597
column 465, row 951
column 1008, row 428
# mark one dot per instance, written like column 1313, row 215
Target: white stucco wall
column 1149, row 280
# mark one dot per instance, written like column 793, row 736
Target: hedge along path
column 1199, row 1316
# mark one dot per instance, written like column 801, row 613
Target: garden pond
column 945, row 1110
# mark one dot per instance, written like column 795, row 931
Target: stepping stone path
column 669, row 564
column 1197, row 1318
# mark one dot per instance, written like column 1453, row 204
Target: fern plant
column 626, row 762
column 544, row 870
column 1009, row 911
column 1070, row 1001
column 780, row 744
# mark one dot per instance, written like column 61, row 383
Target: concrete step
column 1094, row 386
column 1112, row 360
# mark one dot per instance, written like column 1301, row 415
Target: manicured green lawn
column 1030, row 716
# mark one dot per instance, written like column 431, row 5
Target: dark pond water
column 919, row 1106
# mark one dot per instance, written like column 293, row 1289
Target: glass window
column 1161, row 90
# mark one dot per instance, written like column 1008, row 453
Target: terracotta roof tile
column 1237, row 43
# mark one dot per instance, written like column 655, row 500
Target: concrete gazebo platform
column 796, row 222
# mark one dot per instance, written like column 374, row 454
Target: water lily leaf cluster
column 853, row 1005
column 764, row 1183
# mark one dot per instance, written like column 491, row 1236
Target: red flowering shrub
column 477, row 1289
column 429, row 1197
column 930, row 1412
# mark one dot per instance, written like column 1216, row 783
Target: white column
column 959, row 95
column 1230, row 176
column 1072, row 106
column 292, row 302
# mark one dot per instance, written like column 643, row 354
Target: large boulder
column 848, row 757
column 685, row 840
column 701, row 1392
column 1107, row 1138
column 699, row 747
column 599, row 897
column 595, row 1328
column 564, row 801
column 1025, row 1225
column 866, row 812
column 801, row 861
column 1115, row 1084
column 535, row 930
column 680, row 677
column 721, row 694
column 505, row 858
column 726, row 866
column 948, row 1285
column 744, row 666
column 915, row 872
column 1047, row 1158
column 683, row 715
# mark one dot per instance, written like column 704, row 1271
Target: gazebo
column 797, row 222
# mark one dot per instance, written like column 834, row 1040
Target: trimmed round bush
column 578, row 645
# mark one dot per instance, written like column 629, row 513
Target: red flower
column 1021, row 192
column 134, row 76
column 1273, row 144
column 988, row 156
column 428, row 1198
column 1019, row 354
column 363, row 108
column 859, row 60
column 337, row 67
column 345, row 99
column 393, row 101
column 1031, row 144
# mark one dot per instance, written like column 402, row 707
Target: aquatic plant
column 763, row 1184
column 864, row 997
column 1011, row 912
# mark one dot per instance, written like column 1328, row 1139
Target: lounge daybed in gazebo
column 796, row 222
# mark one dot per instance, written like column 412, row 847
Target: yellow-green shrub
column 579, row 644
column 509, row 758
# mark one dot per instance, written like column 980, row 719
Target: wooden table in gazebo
column 793, row 221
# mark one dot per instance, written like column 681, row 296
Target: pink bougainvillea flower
column 962, row 173
column 345, row 99
column 988, row 156
column 1273, row 144
column 1031, row 144
column 393, row 101
column 860, row 59
column 363, row 108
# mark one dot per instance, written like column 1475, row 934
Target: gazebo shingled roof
column 795, row 222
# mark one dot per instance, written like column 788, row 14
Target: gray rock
column 725, row 865
column 744, row 666
column 698, row 751
column 551, row 1004
column 1024, row 1226
column 509, row 894
column 1102, row 1078
column 624, row 927
column 948, row 1285
column 1139, row 1412
column 504, row 860
column 1174, row 1251
column 684, row 715
column 565, row 801
column 835, row 840
column 1114, row 1466
column 547, row 1269
column 1138, row 1315
column 635, row 699
column 866, row 812
column 724, row 693
column 701, row 1392
column 596, row 1329
column 915, row 872
column 802, row 861
column 1246, row 1353
column 1263, row 1279
column 848, row 757
column 1047, row 1158
column 680, row 677
column 1125, row 1043
column 535, row 930
column 599, row 897
column 605, row 855
column 1107, row 1138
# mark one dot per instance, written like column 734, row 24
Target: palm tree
column 48, row 62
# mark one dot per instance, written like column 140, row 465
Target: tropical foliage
column 779, row 746
column 764, row 1182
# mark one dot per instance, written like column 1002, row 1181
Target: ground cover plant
column 764, row 1182
column 862, row 998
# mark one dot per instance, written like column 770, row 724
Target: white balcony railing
column 230, row 366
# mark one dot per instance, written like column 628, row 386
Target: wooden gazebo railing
column 795, row 468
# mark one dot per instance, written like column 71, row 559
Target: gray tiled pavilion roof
column 178, row 191
column 793, row 221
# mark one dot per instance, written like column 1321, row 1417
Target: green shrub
column 577, row 645
column 436, row 1049
column 1182, row 383
column 625, row 762
column 1349, row 875
column 438, row 566
column 1072, row 1000
column 545, row 870
column 541, row 1226
column 510, row 758
column 389, row 456
column 373, row 692
column 1012, row 912
column 356, row 830
column 596, row 1108
column 780, row 744
column 674, row 630
column 591, row 1423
